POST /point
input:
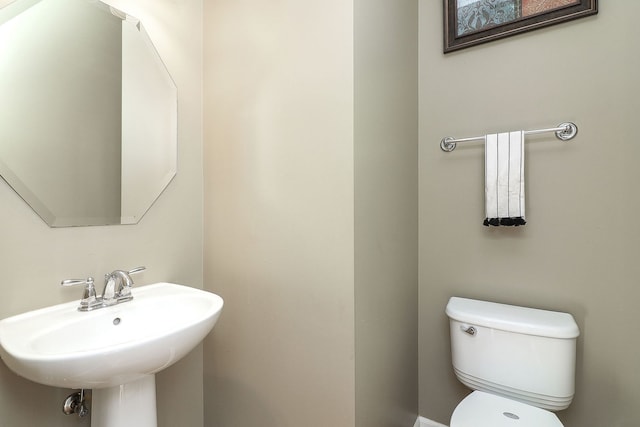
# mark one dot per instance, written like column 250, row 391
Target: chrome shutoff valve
column 75, row 404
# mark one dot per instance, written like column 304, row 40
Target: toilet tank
column 521, row 353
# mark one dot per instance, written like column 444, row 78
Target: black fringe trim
column 514, row 222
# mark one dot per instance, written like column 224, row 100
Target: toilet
column 519, row 361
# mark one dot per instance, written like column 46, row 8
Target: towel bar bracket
column 447, row 145
column 570, row 130
column 564, row 132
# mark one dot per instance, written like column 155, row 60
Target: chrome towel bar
column 564, row 132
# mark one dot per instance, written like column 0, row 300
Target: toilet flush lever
column 468, row 329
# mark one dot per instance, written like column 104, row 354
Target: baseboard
column 423, row 422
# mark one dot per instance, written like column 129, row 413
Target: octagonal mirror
column 88, row 112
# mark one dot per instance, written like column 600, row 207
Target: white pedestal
column 131, row 404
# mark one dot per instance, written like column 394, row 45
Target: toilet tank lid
column 511, row 318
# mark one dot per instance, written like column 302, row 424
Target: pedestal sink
column 115, row 350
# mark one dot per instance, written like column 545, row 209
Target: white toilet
column 520, row 362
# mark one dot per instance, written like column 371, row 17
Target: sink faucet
column 117, row 289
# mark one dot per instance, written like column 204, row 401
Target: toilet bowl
column 481, row 409
column 519, row 361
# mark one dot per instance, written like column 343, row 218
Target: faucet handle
column 74, row 282
column 124, row 293
column 136, row 270
column 126, row 286
column 89, row 300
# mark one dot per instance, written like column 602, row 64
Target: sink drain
column 511, row 415
column 116, row 321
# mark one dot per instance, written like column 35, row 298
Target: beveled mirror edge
column 12, row 8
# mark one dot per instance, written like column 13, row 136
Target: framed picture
column 471, row 22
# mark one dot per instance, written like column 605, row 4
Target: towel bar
column 564, row 131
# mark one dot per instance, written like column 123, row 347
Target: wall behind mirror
column 88, row 115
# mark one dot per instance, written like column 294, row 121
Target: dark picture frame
column 471, row 22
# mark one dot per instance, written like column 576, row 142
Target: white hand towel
column 504, row 179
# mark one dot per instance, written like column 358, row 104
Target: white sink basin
column 63, row 347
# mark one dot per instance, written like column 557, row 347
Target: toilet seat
column 480, row 409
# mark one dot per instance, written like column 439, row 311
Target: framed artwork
column 471, row 22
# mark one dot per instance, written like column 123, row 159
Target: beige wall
column 279, row 212
column 578, row 252
column 168, row 240
column 280, row 230
column 386, row 212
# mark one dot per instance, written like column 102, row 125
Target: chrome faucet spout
column 115, row 283
column 117, row 286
